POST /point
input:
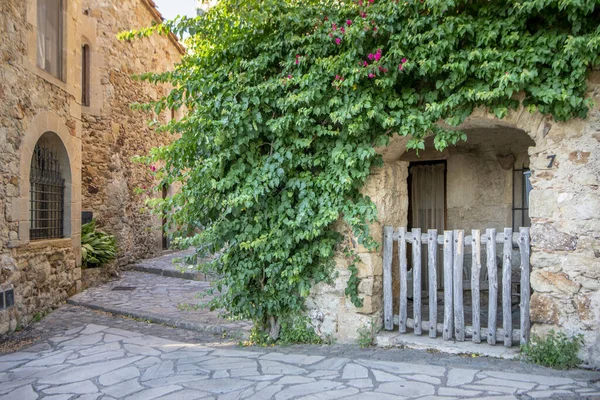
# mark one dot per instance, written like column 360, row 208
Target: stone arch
column 39, row 127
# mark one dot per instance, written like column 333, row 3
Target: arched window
column 49, row 188
column 85, row 75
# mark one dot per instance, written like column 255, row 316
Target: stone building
column 65, row 89
column 525, row 170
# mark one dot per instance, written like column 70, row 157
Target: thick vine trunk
column 274, row 327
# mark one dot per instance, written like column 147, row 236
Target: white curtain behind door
column 427, row 204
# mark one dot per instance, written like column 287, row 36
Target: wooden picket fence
column 454, row 243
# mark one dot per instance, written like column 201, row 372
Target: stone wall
column 33, row 102
column 565, row 232
column 114, row 187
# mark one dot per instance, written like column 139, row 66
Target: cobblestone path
column 160, row 299
column 94, row 362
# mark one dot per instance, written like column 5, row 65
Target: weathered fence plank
column 416, row 255
column 493, row 285
column 475, row 273
column 403, row 280
column 388, row 318
column 432, row 250
column 525, row 289
column 506, row 288
column 410, row 323
column 459, row 311
column 448, row 315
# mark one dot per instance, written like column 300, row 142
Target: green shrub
column 366, row 334
column 556, row 350
column 294, row 330
column 97, row 247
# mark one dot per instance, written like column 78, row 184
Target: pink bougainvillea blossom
column 338, row 41
column 375, row 28
column 153, row 168
column 348, row 22
column 342, row 30
column 289, row 76
column 403, row 60
column 331, row 35
column 378, row 55
column 371, row 75
column 371, row 1
column 370, row 56
column 363, row 14
column 400, row 67
column 365, row 64
column 334, row 26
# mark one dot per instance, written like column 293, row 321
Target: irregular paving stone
column 354, row 371
column 444, row 391
column 243, row 372
column 266, row 393
column 549, row 393
column 175, row 380
column 375, row 396
column 460, row 376
column 333, row 363
column 218, row 364
column 406, row 388
column 292, row 358
column 22, row 393
column 220, row 385
column 123, row 389
column 381, row 376
column 82, row 387
column 489, row 388
column 75, row 374
column 543, row 380
column 288, row 380
column 322, row 373
column 108, row 355
column 160, row 370
column 93, row 328
column 506, row 382
column 141, row 350
column 361, row 383
column 304, row 389
column 153, row 393
column 331, row 394
column 84, row 340
column 404, row 368
column 186, row 394
column 274, row 367
column 10, row 365
column 54, row 359
column 120, row 375
column 424, row 378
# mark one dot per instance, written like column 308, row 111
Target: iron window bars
column 47, row 194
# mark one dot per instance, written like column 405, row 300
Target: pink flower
column 400, row 67
column 334, row 26
column 331, row 35
column 153, row 168
column 342, row 30
column 375, row 28
column 360, row 3
column 297, row 61
column 370, row 56
column 378, row 55
column 289, row 77
column 337, row 77
column 348, row 22
column 365, row 63
column 363, row 14
column 338, row 41
column 371, row 1
column 403, row 60
column 371, row 75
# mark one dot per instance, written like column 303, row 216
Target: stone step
column 191, row 274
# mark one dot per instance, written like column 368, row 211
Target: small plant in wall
column 556, row 350
column 367, row 333
column 97, row 247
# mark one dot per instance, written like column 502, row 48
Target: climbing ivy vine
column 287, row 100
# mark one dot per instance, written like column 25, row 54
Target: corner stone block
column 371, row 265
column 552, row 282
column 542, row 203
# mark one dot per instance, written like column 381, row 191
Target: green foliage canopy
column 287, row 100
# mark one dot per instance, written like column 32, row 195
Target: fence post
column 403, row 280
column 416, row 253
column 432, row 250
column 525, row 290
column 448, row 315
column 475, row 273
column 459, row 311
column 493, row 284
column 388, row 244
column 506, row 288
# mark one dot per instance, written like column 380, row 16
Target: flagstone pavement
column 96, row 361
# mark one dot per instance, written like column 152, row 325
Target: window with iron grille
column 47, row 195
